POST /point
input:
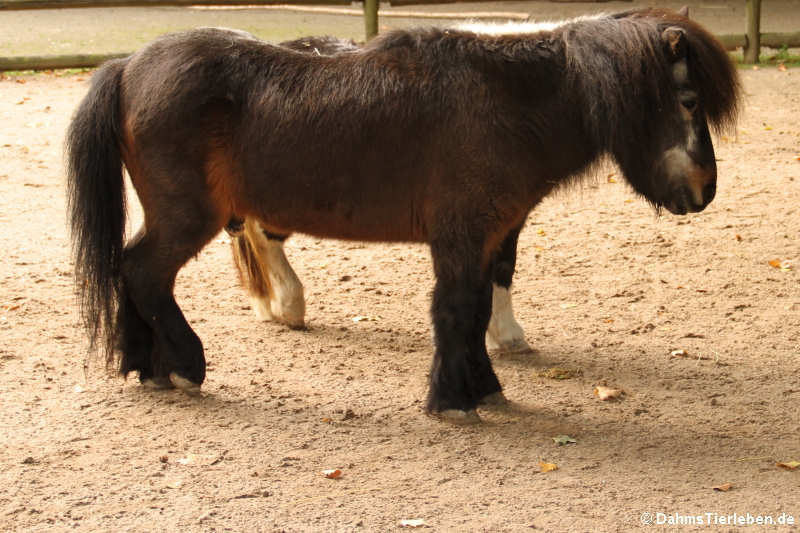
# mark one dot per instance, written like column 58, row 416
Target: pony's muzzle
column 702, row 185
column 696, row 192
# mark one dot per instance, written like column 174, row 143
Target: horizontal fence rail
column 18, row 5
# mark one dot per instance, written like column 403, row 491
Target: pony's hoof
column 509, row 347
column 457, row 416
column 290, row 313
column 186, row 385
column 157, row 383
column 495, row 398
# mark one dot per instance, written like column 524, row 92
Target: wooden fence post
column 371, row 18
column 752, row 48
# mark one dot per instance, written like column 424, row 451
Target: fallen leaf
column 360, row 318
column 561, row 440
column 540, row 232
column 781, row 67
column 559, row 373
column 547, row 467
column 416, row 522
column 199, row 460
column 780, row 264
column 607, row 393
column 610, row 178
column 791, row 465
column 332, row 474
column 679, row 353
column 738, row 238
column 725, row 487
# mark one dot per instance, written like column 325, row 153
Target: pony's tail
column 248, row 265
column 96, row 205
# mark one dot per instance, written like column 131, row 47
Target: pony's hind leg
column 276, row 292
column 504, row 334
column 150, row 265
column 135, row 338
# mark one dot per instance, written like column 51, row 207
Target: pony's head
column 683, row 81
column 684, row 177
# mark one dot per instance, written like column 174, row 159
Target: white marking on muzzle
column 682, row 170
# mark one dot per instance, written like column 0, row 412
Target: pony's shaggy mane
column 519, row 28
column 608, row 54
column 604, row 57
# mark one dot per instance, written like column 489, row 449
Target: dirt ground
column 603, row 287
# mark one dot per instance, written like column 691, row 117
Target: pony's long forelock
column 711, row 70
column 609, row 55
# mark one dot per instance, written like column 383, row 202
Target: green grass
column 55, row 72
column 771, row 58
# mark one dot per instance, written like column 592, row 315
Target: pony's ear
column 675, row 39
column 684, row 11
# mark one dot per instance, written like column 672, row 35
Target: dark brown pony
column 433, row 135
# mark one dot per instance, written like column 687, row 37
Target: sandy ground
column 604, row 288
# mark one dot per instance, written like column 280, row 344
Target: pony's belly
column 366, row 225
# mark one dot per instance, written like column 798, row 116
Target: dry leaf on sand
column 547, row 467
column 607, row 393
column 332, row 474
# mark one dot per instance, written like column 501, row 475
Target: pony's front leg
column 276, row 292
column 504, row 334
column 461, row 374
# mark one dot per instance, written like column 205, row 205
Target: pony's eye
column 690, row 104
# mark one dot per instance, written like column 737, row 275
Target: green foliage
column 770, row 58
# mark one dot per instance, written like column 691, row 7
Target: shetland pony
column 429, row 135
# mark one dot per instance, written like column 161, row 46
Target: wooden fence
column 751, row 41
